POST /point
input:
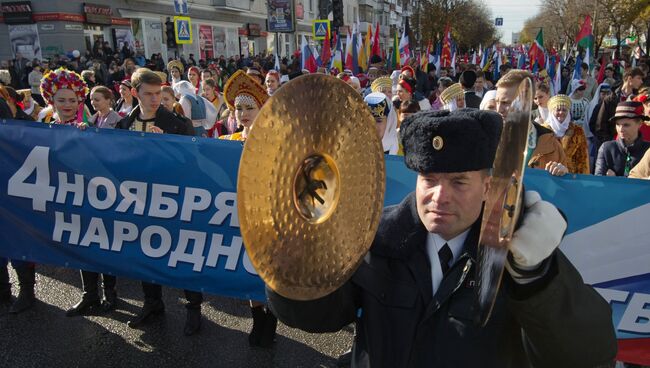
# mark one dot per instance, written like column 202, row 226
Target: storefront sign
column 66, row 17
column 280, row 16
column 98, row 14
column 17, row 12
column 74, row 27
column 46, row 27
column 254, row 30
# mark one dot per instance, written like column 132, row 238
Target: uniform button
column 382, row 296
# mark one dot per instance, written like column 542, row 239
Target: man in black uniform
column 151, row 116
column 412, row 298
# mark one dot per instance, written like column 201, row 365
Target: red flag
column 376, row 50
column 445, row 57
column 601, row 72
column 326, row 52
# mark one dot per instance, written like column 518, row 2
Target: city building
column 43, row 28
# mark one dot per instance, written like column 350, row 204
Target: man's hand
column 556, row 168
column 610, row 172
column 540, row 233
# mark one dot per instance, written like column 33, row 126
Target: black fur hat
column 443, row 141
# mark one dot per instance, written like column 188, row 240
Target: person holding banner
column 571, row 135
column 412, row 297
column 151, row 116
column 66, row 91
column 246, row 96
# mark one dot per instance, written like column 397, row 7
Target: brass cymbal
column 310, row 187
column 504, row 201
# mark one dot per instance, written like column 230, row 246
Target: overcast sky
column 514, row 13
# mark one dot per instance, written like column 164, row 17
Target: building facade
column 43, row 28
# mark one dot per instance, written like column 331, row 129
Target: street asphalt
column 44, row 337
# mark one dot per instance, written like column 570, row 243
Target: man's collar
column 456, row 244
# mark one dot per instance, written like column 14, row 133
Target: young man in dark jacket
column 618, row 157
column 150, row 116
column 412, row 298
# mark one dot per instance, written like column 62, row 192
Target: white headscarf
column 487, row 97
column 390, row 141
column 594, row 102
column 185, row 88
column 559, row 128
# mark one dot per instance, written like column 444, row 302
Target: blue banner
column 162, row 208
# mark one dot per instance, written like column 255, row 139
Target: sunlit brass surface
column 310, row 187
column 504, row 201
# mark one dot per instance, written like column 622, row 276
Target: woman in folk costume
column 196, row 108
column 245, row 96
column 194, row 76
column 385, row 119
column 31, row 107
column 453, row 97
column 571, row 135
column 406, row 91
column 175, row 69
column 65, row 92
column 384, row 85
column 211, row 93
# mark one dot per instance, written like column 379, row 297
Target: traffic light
column 337, row 14
column 171, row 36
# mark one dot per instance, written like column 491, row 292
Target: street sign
column 180, row 6
column 183, row 30
column 320, row 28
column 498, row 22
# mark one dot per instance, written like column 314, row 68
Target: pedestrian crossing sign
column 320, row 28
column 183, row 30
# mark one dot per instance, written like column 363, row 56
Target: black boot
column 259, row 317
column 90, row 301
column 110, row 300
column 150, row 309
column 26, row 279
column 193, row 318
column 270, row 326
column 5, row 285
column 192, row 321
column 110, row 295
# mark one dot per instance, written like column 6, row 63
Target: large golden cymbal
column 310, row 187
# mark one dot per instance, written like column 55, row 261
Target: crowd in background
column 591, row 128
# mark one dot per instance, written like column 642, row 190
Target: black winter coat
column 613, row 154
column 557, row 321
column 165, row 120
column 472, row 101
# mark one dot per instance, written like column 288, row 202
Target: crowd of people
column 594, row 128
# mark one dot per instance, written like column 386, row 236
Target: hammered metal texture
column 313, row 114
column 504, row 200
